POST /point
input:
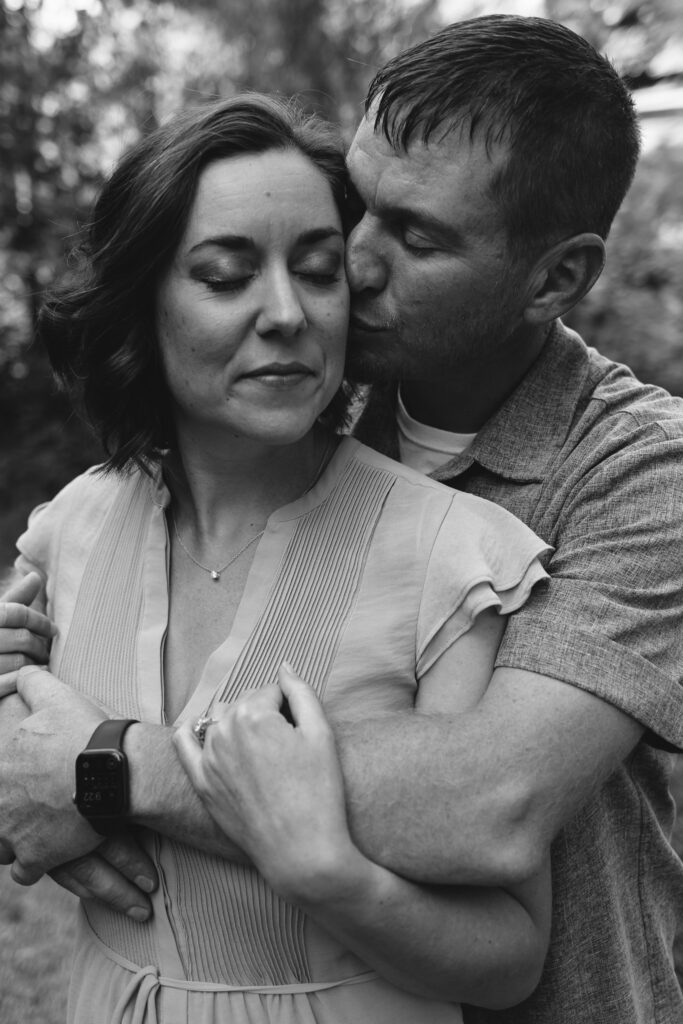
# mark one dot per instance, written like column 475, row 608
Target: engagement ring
column 199, row 728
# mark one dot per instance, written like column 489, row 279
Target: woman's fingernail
column 145, row 883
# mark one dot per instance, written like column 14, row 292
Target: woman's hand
column 25, row 634
column 276, row 788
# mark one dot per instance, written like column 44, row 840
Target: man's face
column 435, row 290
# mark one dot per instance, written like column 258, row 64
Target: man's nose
column 281, row 312
column 365, row 263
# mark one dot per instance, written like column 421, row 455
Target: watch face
column 101, row 783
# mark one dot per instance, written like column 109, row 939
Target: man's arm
column 486, row 792
column 488, row 789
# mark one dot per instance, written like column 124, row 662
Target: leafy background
column 81, row 79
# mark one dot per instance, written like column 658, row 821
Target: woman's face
column 252, row 314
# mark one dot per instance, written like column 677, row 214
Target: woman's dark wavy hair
column 99, row 330
column 559, row 107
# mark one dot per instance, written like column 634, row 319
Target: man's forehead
column 367, row 141
column 372, row 156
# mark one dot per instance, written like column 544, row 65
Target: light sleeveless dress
column 361, row 585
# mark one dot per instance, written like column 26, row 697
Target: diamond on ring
column 200, row 726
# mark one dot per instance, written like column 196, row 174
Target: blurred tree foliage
column 81, row 79
column 634, row 314
column 643, row 37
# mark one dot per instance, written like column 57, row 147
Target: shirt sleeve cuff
column 632, row 684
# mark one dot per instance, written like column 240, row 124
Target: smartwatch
column 102, row 778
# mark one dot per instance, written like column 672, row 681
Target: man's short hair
column 559, row 107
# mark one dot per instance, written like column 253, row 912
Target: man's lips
column 358, row 324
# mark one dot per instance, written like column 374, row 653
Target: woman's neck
column 220, row 490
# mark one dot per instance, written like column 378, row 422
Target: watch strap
column 109, row 734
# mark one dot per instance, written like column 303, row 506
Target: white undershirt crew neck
column 426, row 448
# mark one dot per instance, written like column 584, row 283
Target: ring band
column 200, row 726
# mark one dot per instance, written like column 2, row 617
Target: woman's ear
column 562, row 276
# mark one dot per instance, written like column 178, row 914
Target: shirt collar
column 520, row 439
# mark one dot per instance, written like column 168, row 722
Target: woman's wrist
column 333, row 874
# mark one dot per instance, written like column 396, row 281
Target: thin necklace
column 215, row 574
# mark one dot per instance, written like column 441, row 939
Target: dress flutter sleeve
column 61, row 532
column 34, row 543
column 482, row 557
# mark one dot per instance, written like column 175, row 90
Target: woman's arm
column 277, row 791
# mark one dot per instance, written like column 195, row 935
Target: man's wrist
column 161, row 796
column 101, row 794
column 151, row 759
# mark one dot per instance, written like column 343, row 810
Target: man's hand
column 42, row 729
column 119, row 873
column 25, row 634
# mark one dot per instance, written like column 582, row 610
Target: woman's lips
column 279, row 374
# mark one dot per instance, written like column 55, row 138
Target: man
column 490, row 164
column 490, row 171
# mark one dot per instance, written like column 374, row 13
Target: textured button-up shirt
column 592, row 460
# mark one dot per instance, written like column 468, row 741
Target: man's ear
column 562, row 276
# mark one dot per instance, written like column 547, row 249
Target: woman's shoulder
column 466, row 504
column 91, row 491
column 464, row 520
column 403, row 474
column 75, row 513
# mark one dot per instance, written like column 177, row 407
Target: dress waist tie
column 140, row 993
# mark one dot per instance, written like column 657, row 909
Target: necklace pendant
column 215, row 575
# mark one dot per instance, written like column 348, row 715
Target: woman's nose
column 365, row 267
column 282, row 312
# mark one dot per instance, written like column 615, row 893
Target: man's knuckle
column 107, row 891
column 85, row 870
column 22, row 637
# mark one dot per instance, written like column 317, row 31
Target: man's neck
column 462, row 404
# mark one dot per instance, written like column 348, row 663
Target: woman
column 233, row 529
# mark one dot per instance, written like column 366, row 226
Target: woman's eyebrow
column 237, row 243
column 319, row 235
column 241, row 243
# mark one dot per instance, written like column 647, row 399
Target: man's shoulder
column 623, row 440
column 620, row 395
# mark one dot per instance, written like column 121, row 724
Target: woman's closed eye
column 224, row 277
column 320, row 268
